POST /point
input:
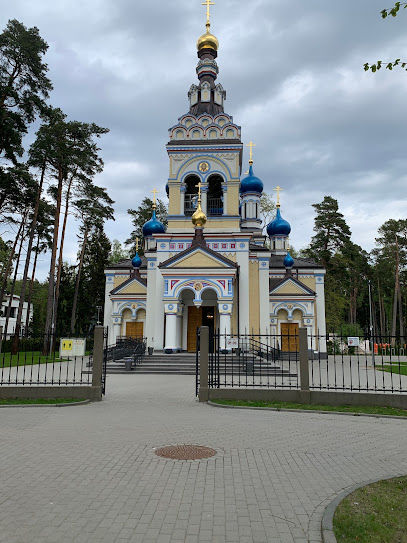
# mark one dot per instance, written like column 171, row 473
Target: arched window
column 215, row 196
column 191, row 195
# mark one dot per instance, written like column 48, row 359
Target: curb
column 327, row 528
column 70, row 404
column 349, row 414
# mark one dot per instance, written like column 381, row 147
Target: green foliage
column 118, row 252
column 23, row 84
column 139, row 217
column 389, row 65
column 267, row 208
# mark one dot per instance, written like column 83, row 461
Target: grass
column 342, row 408
column 39, row 401
column 393, row 368
column 26, row 359
column 374, row 514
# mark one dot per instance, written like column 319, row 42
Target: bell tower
column 205, row 147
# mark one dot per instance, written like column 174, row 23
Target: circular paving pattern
column 185, row 452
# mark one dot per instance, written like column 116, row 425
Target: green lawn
column 342, row 409
column 394, row 368
column 23, row 359
column 39, row 401
column 374, row 514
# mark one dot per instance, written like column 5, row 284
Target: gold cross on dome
column 198, row 186
column 208, row 3
column 278, row 190
column 154, row 191
column 251, row 145
column 137, row 244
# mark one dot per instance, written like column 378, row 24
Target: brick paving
column 89, row 473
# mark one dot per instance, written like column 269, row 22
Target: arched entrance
column 195, row 317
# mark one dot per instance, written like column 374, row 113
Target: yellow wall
column 141, row 314
column 211, row 224
column 234, row 316
column 309, row 282
column 199, row 260
column 289, row 288
column 297, row 316
column 119, row 280
column 233, row 200
column 254, row 297
column 175, row 200
column 134, row 288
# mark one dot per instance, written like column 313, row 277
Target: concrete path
column 89, row 473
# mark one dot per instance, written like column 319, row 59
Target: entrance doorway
column 289, row 337
column 197, row 317
column 134, row 329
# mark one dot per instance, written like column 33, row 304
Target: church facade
column 212, row 265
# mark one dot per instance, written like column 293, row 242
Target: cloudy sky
column 295, row 83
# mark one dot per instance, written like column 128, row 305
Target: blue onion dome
column 288, row 261
column 278, row 226
column 251, row 183
column 167, row 190
column 136, row 262
column 153, row 226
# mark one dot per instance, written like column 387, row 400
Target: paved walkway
column 89, row 474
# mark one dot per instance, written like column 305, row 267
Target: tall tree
column 67, row 148
column 332, row 233
column 93, row 210
column 140, row 216
column 24, row 84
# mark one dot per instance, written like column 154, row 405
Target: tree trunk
column 381, row 311
column 401, row 320
column 396, row 289
column 78, row 278
column 30, row 294
column 9, row 264
column 14, row 346
column 61, row 250
column 50, row 301
column 13, row 285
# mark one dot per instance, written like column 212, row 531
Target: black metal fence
column 357, row 364
column 128, row 350
column 38, row 361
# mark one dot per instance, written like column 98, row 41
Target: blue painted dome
column 251, row 183
column 167, row 190
column 278, row 226
column 153, row 226
column 136, row 262
column 288, row 261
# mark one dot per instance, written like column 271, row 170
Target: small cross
column 154, row 191
column 208, row 3
column 278, row 190
column 198, row 186
column 251, row 145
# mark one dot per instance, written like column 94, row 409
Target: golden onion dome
column 199, row 217
column 207, row 40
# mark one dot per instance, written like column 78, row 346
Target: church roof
column 136, row 278
column 203, row 248
column 277, row 261
column 126, row 264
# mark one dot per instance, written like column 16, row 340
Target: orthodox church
column 212, row 265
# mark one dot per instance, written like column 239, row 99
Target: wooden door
column 134, row 329
column 289, row 337
column 194, row 322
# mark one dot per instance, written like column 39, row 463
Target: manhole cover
column 185, row 452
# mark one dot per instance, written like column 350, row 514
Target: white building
column 13, row 314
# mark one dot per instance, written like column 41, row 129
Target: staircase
column 185, row 364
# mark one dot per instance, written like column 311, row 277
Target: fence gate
column 105, row 358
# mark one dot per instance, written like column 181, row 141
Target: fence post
column 98, row 360
column 1, row 338
column 304, row 365
column 204, row 365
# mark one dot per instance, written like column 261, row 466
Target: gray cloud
column 295, row 82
